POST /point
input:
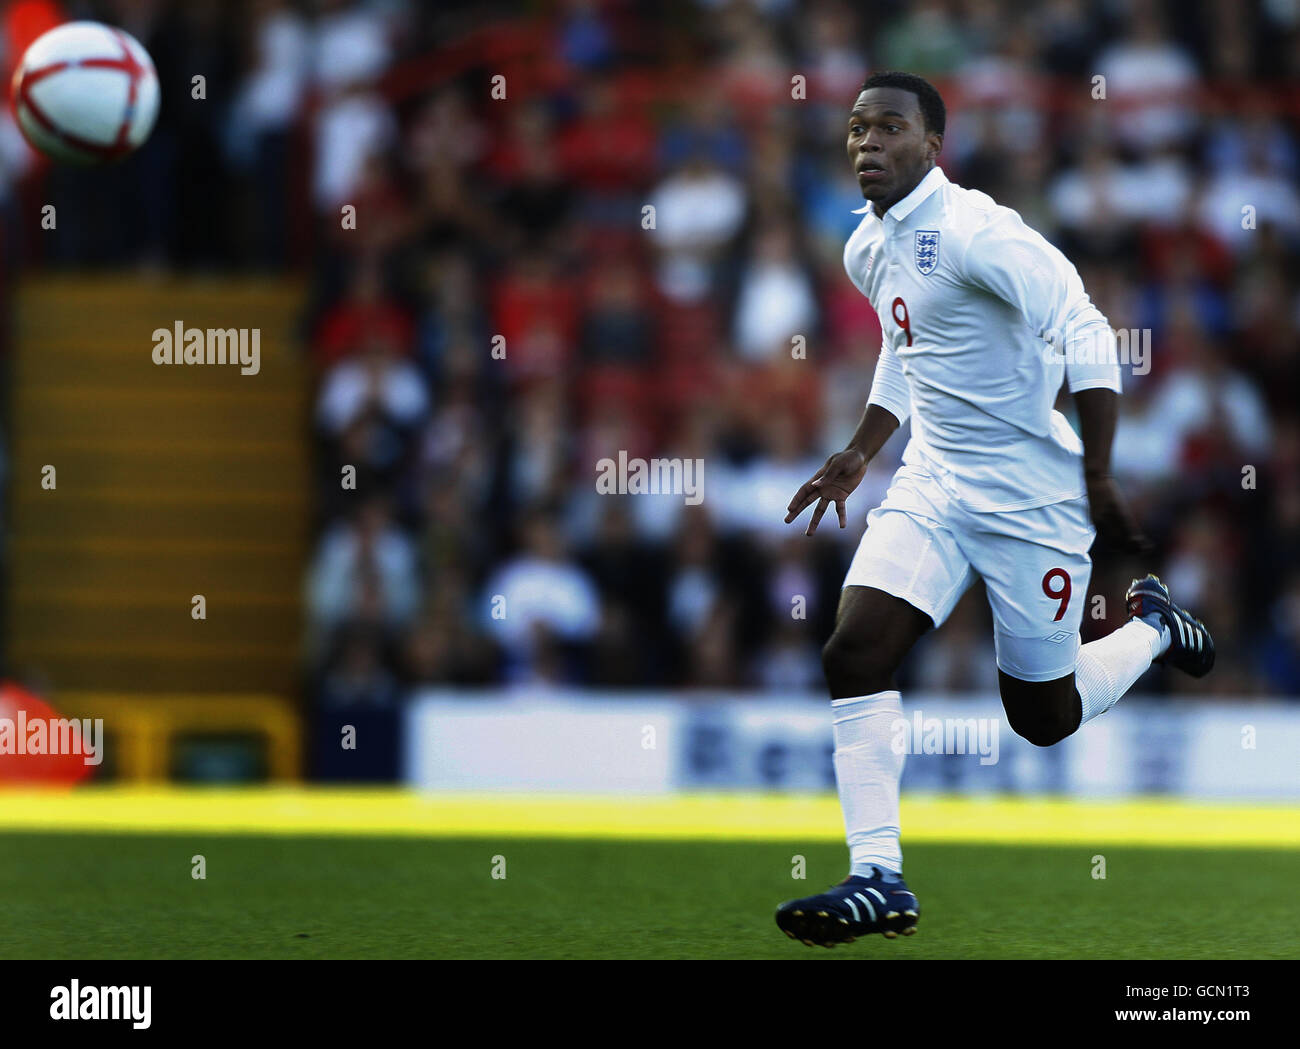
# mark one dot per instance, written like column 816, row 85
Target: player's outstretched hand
column 833, row 483
column 1116, row 526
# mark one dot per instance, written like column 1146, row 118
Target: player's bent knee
column 855, row 667
column 1042, row 712
column 1043, row 727
column 1040, row 734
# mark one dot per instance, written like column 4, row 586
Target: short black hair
column 932, row 107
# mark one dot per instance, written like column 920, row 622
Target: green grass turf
column 132, row 896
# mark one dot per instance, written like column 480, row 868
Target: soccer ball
column 85, row 93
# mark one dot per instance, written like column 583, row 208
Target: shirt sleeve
column 889, row 386
column 1022, row 268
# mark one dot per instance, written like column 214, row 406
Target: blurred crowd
column 542, row 236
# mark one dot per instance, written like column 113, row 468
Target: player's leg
column 1045, row 712
column 907, row 575
column 874, row 631
column 1036, row 572
column 1036, row 569
column 1157, row 631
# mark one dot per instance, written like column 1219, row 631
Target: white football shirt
column 982, row 318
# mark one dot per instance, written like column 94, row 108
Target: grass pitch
column 427, row 890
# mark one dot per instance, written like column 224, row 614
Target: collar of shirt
column 934, row 178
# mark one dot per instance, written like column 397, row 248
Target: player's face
column 889, row 147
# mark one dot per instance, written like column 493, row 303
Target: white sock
column 1107, row 668
column 867, row 771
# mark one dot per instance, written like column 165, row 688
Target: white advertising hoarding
column 657, row 742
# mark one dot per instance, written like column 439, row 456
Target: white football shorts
column 923, row 546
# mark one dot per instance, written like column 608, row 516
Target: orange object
column 29, row 729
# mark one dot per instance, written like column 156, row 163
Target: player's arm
column 887, row 408
column 1022, row 268
column 1098, row 409
column 843, row 471
column 1026, row 271
column 1094, row 381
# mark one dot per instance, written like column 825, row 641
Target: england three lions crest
column 927, row 250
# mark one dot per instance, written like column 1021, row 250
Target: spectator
column 539, row 597
column 376, row 379
column 266, row 105
column 365, row 570
column 698, row 210
column 776, row 298
column 1151, row 80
